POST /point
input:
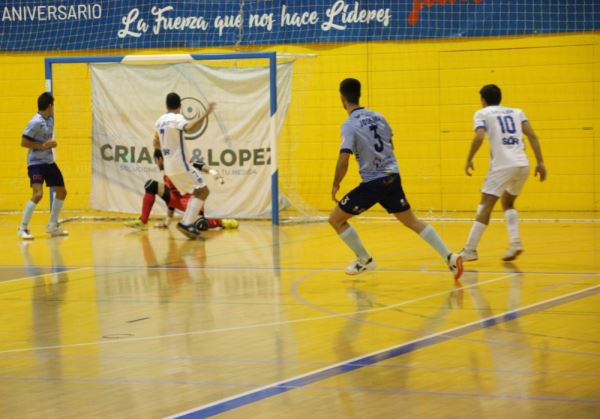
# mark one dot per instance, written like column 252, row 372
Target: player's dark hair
column 46, row 99
column 491, row 94
column 350, row 89
column 173, row 101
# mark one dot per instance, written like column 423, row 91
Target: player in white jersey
column 509, row 167
column 367, row 135
column 168, row 137
column 38, row 137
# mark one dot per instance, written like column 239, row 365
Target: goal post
column 175, row 58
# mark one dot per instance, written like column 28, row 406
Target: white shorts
column 510, row 180
column 186, row 182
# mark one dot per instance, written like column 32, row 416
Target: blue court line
column 280, row 387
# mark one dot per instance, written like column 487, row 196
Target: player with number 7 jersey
column 368, row 136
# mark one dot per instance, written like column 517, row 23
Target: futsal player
column 38, row 137
column 175, row 200
column 367, row 135
column 509, row 167
column 170, row 128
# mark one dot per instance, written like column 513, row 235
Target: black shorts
column 386, row 191
column 49, row 173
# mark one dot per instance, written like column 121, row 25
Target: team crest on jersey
column 192, row 108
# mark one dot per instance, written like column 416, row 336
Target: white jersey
column 170, row 133
column 505, row 134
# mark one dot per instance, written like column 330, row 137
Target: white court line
column 24, row 278
column 253, row 326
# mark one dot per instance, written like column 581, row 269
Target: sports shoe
column 358, row 267
column 229, row 223
column 190, row 231
column 56, row 230
column 24, row 234
column 469, row 255
column 514, row 250
column 137, row 224
column 455, row 264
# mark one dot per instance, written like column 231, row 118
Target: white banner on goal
column 127, row 101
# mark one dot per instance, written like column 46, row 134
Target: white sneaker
column 358, row 267
column 469, row 255
column 24, row 234
column 455, row 264
column 514, row 250
column 56, row 230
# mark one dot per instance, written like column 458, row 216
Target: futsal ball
column 201, row 224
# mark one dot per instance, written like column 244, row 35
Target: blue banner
column 114, row 24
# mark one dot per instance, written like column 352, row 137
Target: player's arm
column 537, row 150
column 36, row 145
column 475, row 145
column 341, row 168
column 191, row 127
column 200, row 165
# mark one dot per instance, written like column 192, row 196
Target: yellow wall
column 428, row 90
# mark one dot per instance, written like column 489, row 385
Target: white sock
column 511, row 217
column 191, row 212
column 57, row 205
column 350, row 237
column 27, row 213
column 430, row 236
column 475, row 235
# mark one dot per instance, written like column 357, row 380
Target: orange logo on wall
column 418, row 5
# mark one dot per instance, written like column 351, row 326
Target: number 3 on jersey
column 379, row 145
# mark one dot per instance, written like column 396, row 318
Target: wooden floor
column 263, row 323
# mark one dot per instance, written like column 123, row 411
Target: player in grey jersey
column 38, row 137
column 367, row 135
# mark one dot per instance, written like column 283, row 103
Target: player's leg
column 395, row 203
column 36, row 181
column 482, row 219
column 494, row 185
column 356, row 201
column 338, row 219
column 511, row 216
column 190, row 182
column 55, row 180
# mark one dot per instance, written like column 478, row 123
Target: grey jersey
column 368, row 136
column 40, row 130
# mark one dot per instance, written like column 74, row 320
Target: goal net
column 241, row 139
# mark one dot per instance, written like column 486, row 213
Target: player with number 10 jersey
column 505, row 135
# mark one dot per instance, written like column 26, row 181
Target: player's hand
column 215, row 173
column 49, row 144
column 334, row 191
column 469, row 166
column 541, row 169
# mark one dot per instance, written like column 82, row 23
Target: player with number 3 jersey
column 509, row 167
column 368, row 136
